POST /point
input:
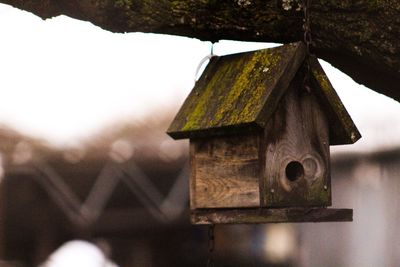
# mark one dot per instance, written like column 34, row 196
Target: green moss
column 322, row 79
column 234, row 90
column 241, row 84
column 195, row 117
column 237, row 98
column 270, row 61
column 247, row 79
column 317, row 193
column 329, row 92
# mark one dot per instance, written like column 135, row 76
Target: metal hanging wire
column 204, row 60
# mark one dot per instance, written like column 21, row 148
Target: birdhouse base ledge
column 276, row 215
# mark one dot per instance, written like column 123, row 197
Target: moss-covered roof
column 240, row 92
column 234, row 89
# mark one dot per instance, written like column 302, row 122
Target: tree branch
column 360, row 37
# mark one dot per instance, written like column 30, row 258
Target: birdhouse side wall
column 225, row 172
column 297, row 167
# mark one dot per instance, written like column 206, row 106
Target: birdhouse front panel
column 297, row 170
column 225, row 171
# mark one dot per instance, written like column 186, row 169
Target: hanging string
column 205, row 59
column 211, row 246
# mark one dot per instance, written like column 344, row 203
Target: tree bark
column 360, row 37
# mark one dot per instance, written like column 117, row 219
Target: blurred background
column 89, row 177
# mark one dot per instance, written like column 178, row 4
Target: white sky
column 64, row 79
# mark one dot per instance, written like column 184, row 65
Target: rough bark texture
column 360, row 37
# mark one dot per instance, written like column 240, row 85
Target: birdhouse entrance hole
column 294, row 171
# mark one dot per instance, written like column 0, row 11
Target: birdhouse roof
column 240, row 92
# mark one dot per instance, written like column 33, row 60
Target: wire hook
column 208, row 57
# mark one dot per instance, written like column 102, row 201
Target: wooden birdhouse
column 259, row 141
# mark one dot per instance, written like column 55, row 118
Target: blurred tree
column 360, row 37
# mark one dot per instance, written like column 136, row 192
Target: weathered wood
column 4, row 202
column 283, row 164
column 342, row 128
column 297, row 152
column 251, row 216
column 225, row 172
column 237, row 92
column 192, row 178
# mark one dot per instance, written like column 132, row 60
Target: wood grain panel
column 298, row 133
column 226, row 172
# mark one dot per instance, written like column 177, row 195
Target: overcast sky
column 63, row 79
